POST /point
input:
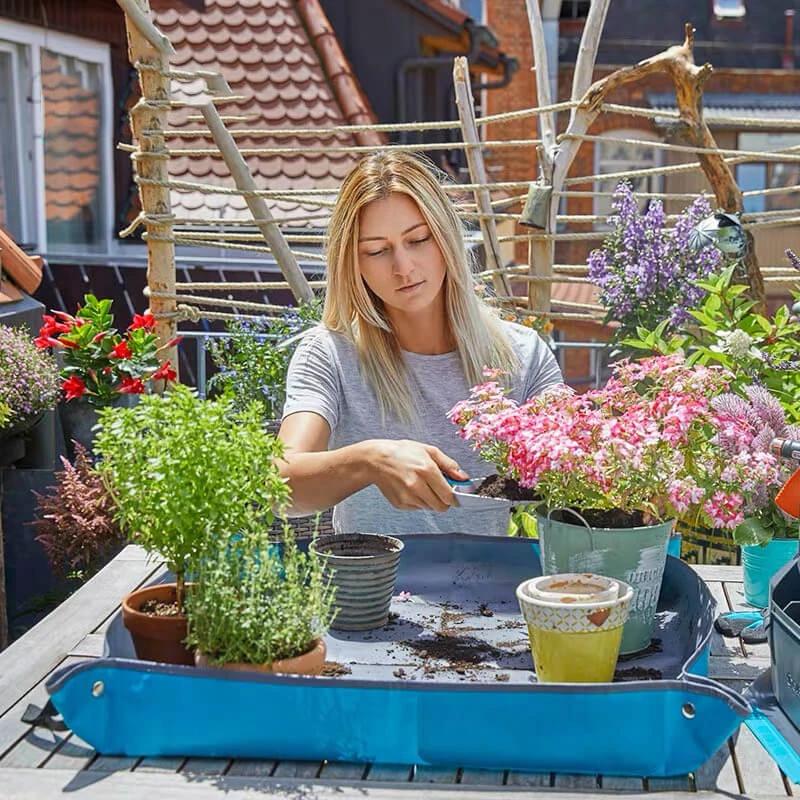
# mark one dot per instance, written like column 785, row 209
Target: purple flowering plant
column 648, row 273
column 744, row 428
column 29, row 380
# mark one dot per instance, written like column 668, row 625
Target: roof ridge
column 346, row 87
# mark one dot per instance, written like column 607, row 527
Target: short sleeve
column 542, row 372
column 311, row 381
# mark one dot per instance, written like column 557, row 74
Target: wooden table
column 39, row 764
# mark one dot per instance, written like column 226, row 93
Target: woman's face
column 397, row 254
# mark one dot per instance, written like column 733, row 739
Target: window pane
column 72, row 165
column 771, row 174
column 617, row 156
column 10, row 205
column 727, row 9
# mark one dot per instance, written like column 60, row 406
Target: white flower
column 738, row 344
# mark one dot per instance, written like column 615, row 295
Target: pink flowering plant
column 639, row 450
column 745, row 427
column 100, row 364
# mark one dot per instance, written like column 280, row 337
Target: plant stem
column 180, row 590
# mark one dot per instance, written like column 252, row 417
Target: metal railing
column 595, row 376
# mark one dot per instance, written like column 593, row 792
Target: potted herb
column 76, row 522
column 184, row 472
column 101, row 366
column 611, row 469
column 28, row 387
column 257, row 606
column 252, row 361
column 768, row 538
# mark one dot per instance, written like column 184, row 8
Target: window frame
column 28, row 40
column 616, row 134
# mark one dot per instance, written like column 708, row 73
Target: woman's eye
column 420, row 241
column 377, row 252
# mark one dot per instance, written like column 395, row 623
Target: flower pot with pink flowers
column 611, row 470
column 100, row 366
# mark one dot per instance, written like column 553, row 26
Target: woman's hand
column 410, row 474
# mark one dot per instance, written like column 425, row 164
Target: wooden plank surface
column 34, row 655
column 30, row 784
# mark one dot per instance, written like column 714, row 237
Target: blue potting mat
column 448, row 681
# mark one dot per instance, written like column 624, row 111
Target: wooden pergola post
column 146, row 45
column 477, row 172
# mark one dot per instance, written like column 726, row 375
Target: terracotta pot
column 156, row 638
column 309, row 663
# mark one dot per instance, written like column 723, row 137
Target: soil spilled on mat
column 461, row 653
column 333, row 669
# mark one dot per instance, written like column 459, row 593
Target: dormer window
column 729, row 9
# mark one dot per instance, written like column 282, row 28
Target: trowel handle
column 786, row 448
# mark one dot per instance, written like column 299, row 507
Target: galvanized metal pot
column 634, row 555
column 363, row 567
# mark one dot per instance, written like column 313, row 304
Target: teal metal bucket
column 634, row 555
column 760, row 563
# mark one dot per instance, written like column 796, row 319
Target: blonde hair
column 352, row 309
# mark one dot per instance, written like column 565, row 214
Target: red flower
column 68, row 343
column 146, row 321
column 44, row 341
column 164, row 373
column 175, row 341
column 74, row 388
column 100, row 336
column 121, row 350
column 131, row 386
column 51, row 326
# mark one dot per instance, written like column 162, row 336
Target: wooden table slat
column 343, row 770
column 160, row 764
column 205, row 766
column 482, row 777
column 723, row 645
column 29, row 659
column 297, row 769
column 74, row 754
column 758, row 772
column 582, row 783
column 677, row 783
column 735, row 592
column 427, row 774
column 251, row 768
column 543, row 780
column 112, row 764
column 718, row 772
column 619, row 783
column 390, row 773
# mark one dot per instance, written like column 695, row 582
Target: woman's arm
column 408, row 473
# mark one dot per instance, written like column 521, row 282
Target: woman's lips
column 408, row 289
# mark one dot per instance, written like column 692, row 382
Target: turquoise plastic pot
column 674, row 545
column 760, row 563
column 634, row 555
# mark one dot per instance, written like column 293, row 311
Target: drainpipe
column 476, row 35
column 787, row 59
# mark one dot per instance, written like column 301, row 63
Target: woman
column 403, row 337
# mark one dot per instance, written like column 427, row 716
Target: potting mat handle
column 47, row 717
column 575, row 513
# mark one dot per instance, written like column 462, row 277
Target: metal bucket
column 634, row 555
column 761, row 563
column 363, row 567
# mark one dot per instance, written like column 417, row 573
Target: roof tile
column 263, row 50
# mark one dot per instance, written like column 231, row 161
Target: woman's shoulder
column 524, row 340
column 322, row 341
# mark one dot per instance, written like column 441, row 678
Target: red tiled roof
column 283, row 57
column 71, row 158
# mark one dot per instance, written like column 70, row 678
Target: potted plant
column 101, row 366
column 252, row 362
column 647, row 272
column 260, row 607
column 745, row 429
column 28, row 388
column 76, row 522
column 611, row 469
column 183, row 472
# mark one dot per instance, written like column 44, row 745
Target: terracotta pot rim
column 153, row 589
column 281, row 666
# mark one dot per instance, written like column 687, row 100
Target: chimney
column 787, row 59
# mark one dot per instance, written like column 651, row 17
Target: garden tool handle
column 786, row 448
column 575, row 513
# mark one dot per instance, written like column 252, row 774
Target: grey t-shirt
column 324, row 377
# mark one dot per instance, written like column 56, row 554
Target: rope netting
column 288, row 223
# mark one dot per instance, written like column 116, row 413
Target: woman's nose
column 403, row 263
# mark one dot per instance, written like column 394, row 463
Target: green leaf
column 751, row 532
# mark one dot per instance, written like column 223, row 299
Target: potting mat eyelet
column 448, row 681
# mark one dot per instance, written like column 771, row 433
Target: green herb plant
column 254, row 602
column 184, row 472
column 728, row 331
